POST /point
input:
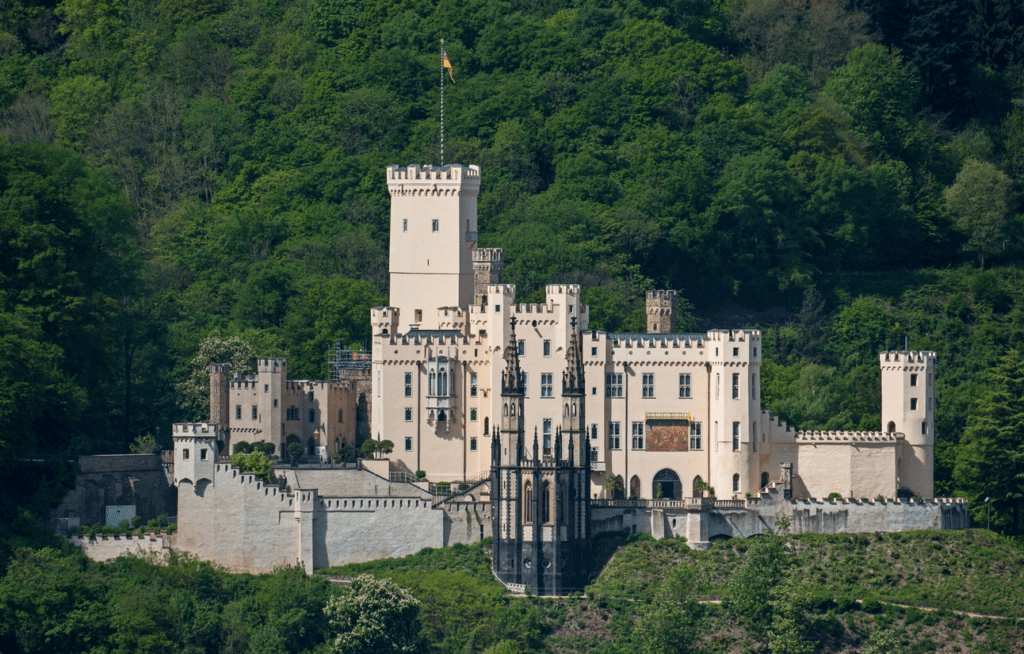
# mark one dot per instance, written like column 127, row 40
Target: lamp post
column 988, row 510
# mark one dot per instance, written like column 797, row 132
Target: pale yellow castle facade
column 669, row 414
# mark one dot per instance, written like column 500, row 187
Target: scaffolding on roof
column 341, row 359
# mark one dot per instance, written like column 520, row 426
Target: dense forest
column 184, row 178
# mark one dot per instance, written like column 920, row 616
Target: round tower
column 219, row 399
column 908, row 408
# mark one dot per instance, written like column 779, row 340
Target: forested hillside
column 183, row 177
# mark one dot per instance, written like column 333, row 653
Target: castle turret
column 661, row 312
column 272, row 379
column 908, row 408
column 433, row 235
column 195, row 452
column 220, row 400
column 487, row 267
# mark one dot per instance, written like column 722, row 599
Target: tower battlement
column 434, row 180
column 896, row 359
column 272, row 364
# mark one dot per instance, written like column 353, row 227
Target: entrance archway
column 891, row 429
column 666, row 485
column 698, row 486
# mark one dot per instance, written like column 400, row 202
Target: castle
column 520, row 422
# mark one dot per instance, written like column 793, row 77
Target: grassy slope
column 464, row 608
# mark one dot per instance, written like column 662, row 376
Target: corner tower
column 433, row 235
column 908, row 408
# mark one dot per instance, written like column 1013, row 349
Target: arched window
column 736, row 483
column 432, row 384
column 891, row 428
column 566, row 410
column 666, row 485
column 764, row 480
column 698, row 486
column 444, row 383
column 528, row 503
column 513, row 408
column 573, row 409
column 487, row 426
column 634, row 488
column 545, row 503
column 505, row 410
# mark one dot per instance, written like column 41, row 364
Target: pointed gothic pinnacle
column 572, row 378
column 513, row 375
column 536, row 451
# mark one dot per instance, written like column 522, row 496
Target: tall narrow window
column 735, row 385
column 648, row 384
column 472, row 444
column 613, row 384
column 526, row 379
column 718, row 384
column 736, row 483
column 593, row 432
column 913, row 379
column 443, row 383
column 253, row 411
column 522, row 347
column 547, row 384
column 341, row 415
column 695, row 436
column 613, row 435
column 238, row 412
column 684, row 385
column 547, row 435
column 408, row 414
column 472, row 384
column 408, row 443
column 435, row 225
column 545, row 503
column 405, row 224
column 312, row 415
column 472, row 415
column 753, row 386
column 913, row 404
column 735, row 437
column 432, row 383
column 408, row 384
column 528, row 502
column 547, row 348
column 638, row 436
column 924, row 428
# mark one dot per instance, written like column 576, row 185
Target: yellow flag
column 447, row 64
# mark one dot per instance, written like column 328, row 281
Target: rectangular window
column 408, row 414
column 735, row 437
column 184, row 453
column 755, row 351
column 497, row 308
column 202, row 454
column 341, row 415
column 472, row 415
column 311, row 396
column 238, row 412
column 472, row 444
column 526, row 379
column 547, row 435
column 753, row 386
column 292, row 413
column 522, row 348
column 638, row 435
column 266, row 388
column 275, row 402
column 924, row 428
column 312, row 415
column 419, row 315
column 408, row 384
column 593, row 351
column 613, row 435
column 435, row 225
column 405, row 224
column 408, row 443
column 613, row 384
column 695, row 436
column 735, row 483
column 378, row 383
column 913, row 404
column 253, row 411
column 547, row 384
column 648, row 384
column 735, row 351
column 593, row 454
column 913, row 379
column 735, row 385
column 684, row 385
column 718, row 384
column 593, row 432
column 472, row 384
column 547, row 348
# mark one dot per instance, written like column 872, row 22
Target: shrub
column 137, row 521
column 832, row 497
column 123, row 526
column 172, row 527
column 463, row 486
column 294, row 450
column 422, row 474
column 161, row 520
column 242, row 447
column 871, row 606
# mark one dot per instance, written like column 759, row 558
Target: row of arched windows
column 548, row 505
column 438, row 383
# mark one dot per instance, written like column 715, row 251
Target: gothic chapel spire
column 512, row 377
column 572, row 378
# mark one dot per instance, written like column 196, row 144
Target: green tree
column 193, row 392
column 764, row 568
column 373, row 615
column 670, row 623
column 790, row 608
column 258, row 463
column 980, row 200
column 991, row 461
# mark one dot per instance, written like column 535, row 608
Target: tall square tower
column 433, row 235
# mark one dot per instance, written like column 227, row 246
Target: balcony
column 440, row 402
column 598, row 466
column 472, row 236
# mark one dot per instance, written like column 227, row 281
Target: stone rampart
column 118, row 479
column 108, row 548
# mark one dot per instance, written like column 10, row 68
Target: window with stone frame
column 613, row 384
column 647, row 380
column 736, row 483
column 521, row 347
column 238, row 412
column 638, row 436
column 408, row 384
column 472, row 444
column 408, row 443
column 472, row 415
column 684, row 385
column 472, row 384
column 913, row 404
column 292, row 413
column 253, row 411
column 408, row 414
column 696, row 436
column 613, row 435
column 547, row 435
column 547, row 348
column 547, row 384
column 735, row 385
column 735, row 437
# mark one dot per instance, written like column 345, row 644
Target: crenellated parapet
column 847, row 436
column 453, row 179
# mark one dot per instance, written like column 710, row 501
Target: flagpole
column 442, row 103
